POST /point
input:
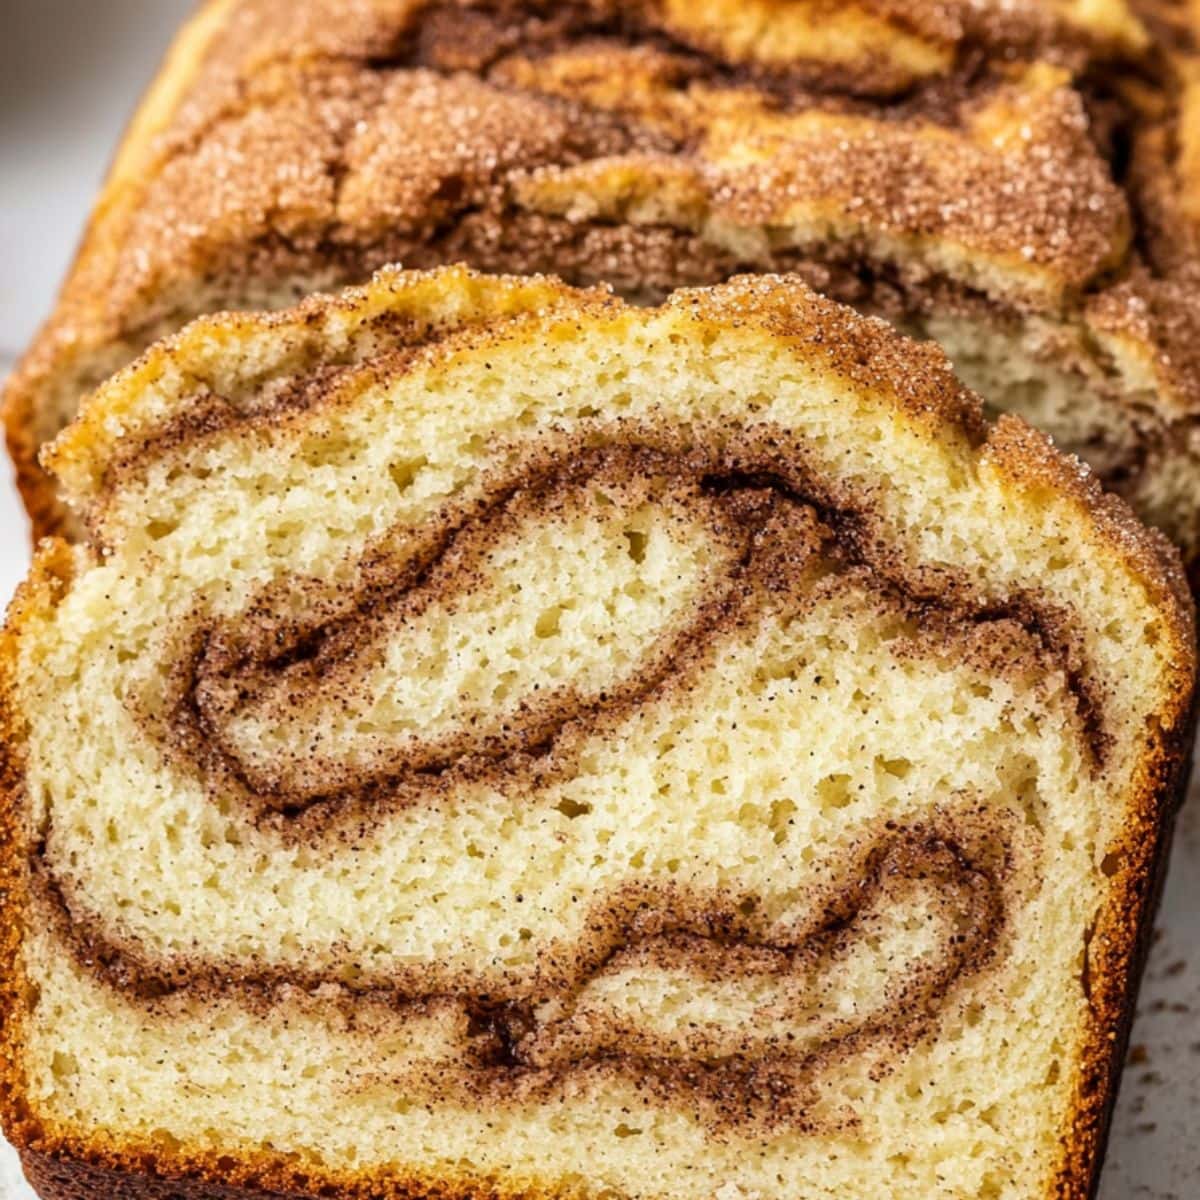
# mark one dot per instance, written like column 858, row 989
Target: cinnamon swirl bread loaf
column 496, row 741
column 1013, row 178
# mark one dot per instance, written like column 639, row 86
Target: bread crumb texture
column 495, row 739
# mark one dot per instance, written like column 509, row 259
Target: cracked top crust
column 313, row 135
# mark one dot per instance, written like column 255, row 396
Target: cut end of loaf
column 524, row 743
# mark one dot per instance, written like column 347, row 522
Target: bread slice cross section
column 495, row 740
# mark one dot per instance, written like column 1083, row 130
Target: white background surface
column 70, row 71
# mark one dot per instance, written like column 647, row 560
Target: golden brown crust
column 48, row 580
column 869, row 357
column 91, row 1172
column 1117, row 947
column 937, row 145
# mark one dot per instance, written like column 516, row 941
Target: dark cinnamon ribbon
column 772, row 535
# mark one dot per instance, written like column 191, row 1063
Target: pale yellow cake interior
column 800, row 733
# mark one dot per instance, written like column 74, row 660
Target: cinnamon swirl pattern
column 521, row 740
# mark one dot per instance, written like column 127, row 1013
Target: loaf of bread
column 496, row 741
column 1016, row 179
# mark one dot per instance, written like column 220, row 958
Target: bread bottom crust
column 56, row 1177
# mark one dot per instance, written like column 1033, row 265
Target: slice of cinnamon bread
column 495, row 741
column 1013, row 178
